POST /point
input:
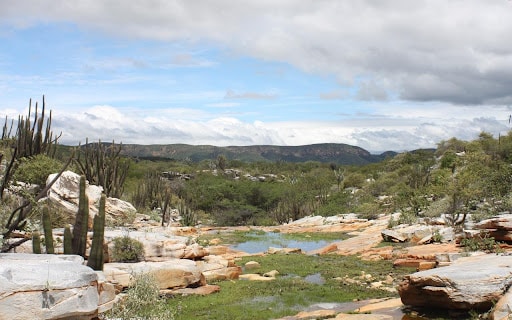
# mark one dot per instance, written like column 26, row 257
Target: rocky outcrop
column 173, row 273
column 499, row 227
column 50, row 287
column 475, row 282
column 63, row 195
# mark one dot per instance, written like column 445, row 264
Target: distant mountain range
column 324, row 152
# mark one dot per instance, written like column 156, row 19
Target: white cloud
column 455, row 51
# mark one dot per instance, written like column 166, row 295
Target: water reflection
column 263, row 241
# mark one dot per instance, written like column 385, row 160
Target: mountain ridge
column 338, row 153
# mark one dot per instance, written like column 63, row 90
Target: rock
column 475, row 282
column 392, row 236
column 503, row 307
column 271, row 274
column 202, row 291
column 159, row 246
column 363, row 316
column 500, row 227
column 48, row 287
column 272, row 250
column 255, row 277
column 173, row 273
column 252, row 265
column 380, row 305
column 64, row 196
column 216, row 268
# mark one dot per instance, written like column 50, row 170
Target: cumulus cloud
column 430, row 50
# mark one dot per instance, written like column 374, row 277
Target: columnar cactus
column 96, row 255
column 68, row 240
column 36, row 242
column 48, row 234
column 81, row 222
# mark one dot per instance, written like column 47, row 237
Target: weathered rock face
column 47, row 287
column 64, row 195
column 475, row 282
column 173, row 273
column 499, row 227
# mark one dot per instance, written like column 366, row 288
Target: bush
column 35, row 170
column 481, row 242
column 142, row 301
column 127, row 249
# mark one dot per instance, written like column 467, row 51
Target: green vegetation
column 290, row 292
column 127, row 249
column 142, row 301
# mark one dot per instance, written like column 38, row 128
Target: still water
column 262, row 241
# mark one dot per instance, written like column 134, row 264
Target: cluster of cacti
column 76, row 242
column 103, row 165
column 32, row 137
column 188, row 216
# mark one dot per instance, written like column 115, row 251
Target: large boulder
column 499, row 227
column 64, row 196
column 48, row 287
column 475, row 282
column 173, row 273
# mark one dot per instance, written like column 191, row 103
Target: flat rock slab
column 173, row 273
column 475, row 282
column 47, row 287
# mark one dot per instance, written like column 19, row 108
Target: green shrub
column 35, row 170
column 480, row 242
column 142, row 301
column 127, row 249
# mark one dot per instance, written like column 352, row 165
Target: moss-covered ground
column 289, row 293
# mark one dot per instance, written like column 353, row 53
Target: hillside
column 325, row 152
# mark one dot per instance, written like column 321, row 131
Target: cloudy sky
column 379, row 74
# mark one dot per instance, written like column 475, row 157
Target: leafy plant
column 480, row 242
column 142, row 301
column 127, row 249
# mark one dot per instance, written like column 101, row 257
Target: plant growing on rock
column 126, row 249
column 142, row 301
column 96, row 257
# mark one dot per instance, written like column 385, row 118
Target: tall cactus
column 68, row 240
column 95, row 260
column 36, row 242
column 48, row 234
column 81, row 223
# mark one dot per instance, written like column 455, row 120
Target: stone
column 363, row 316
column 380, row 305
column 255, row 277
column 172, row 273
column 250, row 265
column 475, row 282
column 272, row 250
column 500, row 227
column 503, row 307
column 216, row 268
column 48, row 287
column 390, row 235
column 271, row 274
column 201, row 291
column 63, row 195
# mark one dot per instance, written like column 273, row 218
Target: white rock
column 47, row 287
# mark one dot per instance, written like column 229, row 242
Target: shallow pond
column 261, row 241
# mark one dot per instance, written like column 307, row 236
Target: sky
column 379, row 74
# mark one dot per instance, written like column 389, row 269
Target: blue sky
column 382, row 75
